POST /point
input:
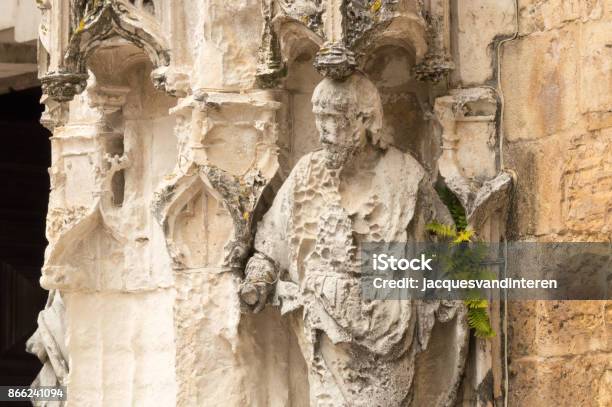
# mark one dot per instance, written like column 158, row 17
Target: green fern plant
column 454, row 206
column 464, row 261
column 478, row 318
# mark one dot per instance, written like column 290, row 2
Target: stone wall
column 557, row 82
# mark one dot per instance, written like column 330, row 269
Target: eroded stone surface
column 156, row 196
column 557, row 131
column 356, row 189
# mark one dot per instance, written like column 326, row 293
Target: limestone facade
column 176, row 124
column 557, row 81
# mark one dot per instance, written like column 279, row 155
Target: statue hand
column 254, row 296
column 260, row 279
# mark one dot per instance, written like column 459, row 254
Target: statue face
column 334, row 128
column 338, row 134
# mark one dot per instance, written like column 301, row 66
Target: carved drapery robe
column 359, row 352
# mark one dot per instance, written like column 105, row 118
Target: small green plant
column 478, row 318
column 464, row 261
column 454, row 207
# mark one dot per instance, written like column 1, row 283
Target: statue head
column 348, row 115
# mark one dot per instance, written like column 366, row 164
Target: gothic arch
column 404, row 31
column 294, row 37
column 355, row 30
column 91, row 24
column 115, row 19
column 189, row 196
column 71, row 260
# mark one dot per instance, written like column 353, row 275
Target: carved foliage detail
column 240, row 196
column 64, row 85
column 361, row 16
column 308, row 12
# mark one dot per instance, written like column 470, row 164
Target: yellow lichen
column 81, row 26
column 376, row 6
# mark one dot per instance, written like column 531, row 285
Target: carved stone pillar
column 470, row 167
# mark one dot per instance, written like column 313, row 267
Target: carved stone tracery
column 91, row 23
column 238, row 188
column 350, row 29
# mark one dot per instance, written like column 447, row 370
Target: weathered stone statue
column 357, row 188
column 48, row 344
column 173, row 120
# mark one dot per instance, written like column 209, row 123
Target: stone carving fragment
column 48, row 343
column 237, row 187
column 481, row 194
column 91, row 23
column 349, row 29
column 240, row 196
column 437, row 63
column 335, row 61
column 363, row 15
column 308, row 12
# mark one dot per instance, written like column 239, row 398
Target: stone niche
column 404, row 100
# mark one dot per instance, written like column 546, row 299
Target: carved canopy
column 90, row 24
column 347, row 29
